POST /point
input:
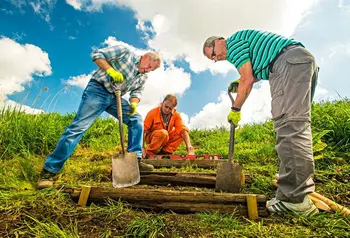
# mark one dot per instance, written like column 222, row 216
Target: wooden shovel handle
column 333, row 205
column 120, row 119
column 318, row 203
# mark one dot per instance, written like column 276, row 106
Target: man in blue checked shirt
column 118, row 67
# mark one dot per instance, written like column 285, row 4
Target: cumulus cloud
column 179, row 28
column 12, row 105
column 18, row 64
column 330, row 45
column 80, row 81
column 256, row 109
column 76, row 4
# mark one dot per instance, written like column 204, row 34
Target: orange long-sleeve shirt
column 154, row 121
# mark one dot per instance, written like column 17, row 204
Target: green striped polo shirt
column 258, row 47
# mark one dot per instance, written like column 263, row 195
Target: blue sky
column 47, row 43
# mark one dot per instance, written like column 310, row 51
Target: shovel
column 229, row 174
column 125, row 168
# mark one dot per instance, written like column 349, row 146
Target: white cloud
column 80, row 81
column 178, row 29
column 74, row 3
column 18, row 64
column 181, row 27
column 330, row 46
column 12, row 105
column 18, row 3
column 256, row 109
column 43, row 8
column 162, row 82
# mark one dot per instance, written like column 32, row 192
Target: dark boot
column 144, row 166
column 46, row 179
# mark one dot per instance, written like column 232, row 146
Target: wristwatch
column 235, row 109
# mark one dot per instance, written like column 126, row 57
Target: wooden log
column 161, row 178
column 178, row 201
column 143, row 194
column 178, row 180
column 167, row 163
column 333, row 205
column 171, row 173
column 200, row 207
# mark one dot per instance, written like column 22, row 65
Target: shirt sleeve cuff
column 136, row 95
column 97, row 55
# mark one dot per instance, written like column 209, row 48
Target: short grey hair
column 154, row 56
column 210, row 42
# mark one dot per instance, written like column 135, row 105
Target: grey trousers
column 292, row 83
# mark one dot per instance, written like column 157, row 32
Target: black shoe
column 46, row 179
column 144, row 166
column 162, row 152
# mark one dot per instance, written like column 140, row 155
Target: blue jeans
column 95, row 100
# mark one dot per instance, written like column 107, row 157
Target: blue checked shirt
column 127, row 63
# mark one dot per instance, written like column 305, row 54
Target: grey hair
column 210, row 42
column 154, row 56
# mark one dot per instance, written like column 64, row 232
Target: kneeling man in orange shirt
column 164, row 129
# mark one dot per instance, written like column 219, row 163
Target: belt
column 285, row 49
column 95, row 81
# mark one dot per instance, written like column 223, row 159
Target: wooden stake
column 84, row 196
column 252, row 206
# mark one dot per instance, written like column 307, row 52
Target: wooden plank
column 179, row 207
column 178, row 201
column 160, row 195
column 178, row 180
column 333, row 205
column 167, row 163
column 252, row 207
column 165, row 178
column 172, row 173
column 84, row 195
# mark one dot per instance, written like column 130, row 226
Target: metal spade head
column 125, row 170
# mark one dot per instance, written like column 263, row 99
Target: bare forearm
column 245, row 84
column 102, row 64
column 144, row 141
column 244, row 89
column 134, row 100
column 186, row 137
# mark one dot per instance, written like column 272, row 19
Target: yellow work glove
column 233, row 86
column 133, row 109
column 116, row 76
column 234, row 117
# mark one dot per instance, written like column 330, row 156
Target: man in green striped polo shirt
column 292, row 74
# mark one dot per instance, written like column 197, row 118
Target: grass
column 25, row 140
